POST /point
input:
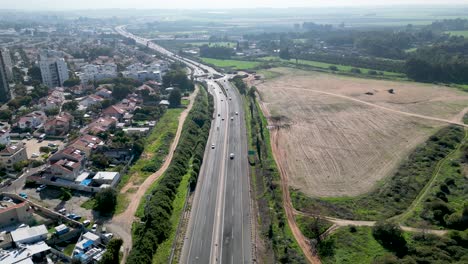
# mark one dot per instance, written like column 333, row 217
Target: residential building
column 4, row 134
column 114, row 111
column 109, row 178
column 54, row 69
column 11, row 155
column 104, row 92
column 102, row 124
column 59, row 125
column 87, row 144
column 26, row 254
column 90, row 101
column 5, row 93
column 29, row 235
column 5, row 53
column 32, row 120
column 54, row 100
column 13, row 213
column 69, row 153
column 143, row 72
column 92, row 72
column 65, row 169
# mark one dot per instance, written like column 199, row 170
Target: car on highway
column 212, row 146
column 219, row 114
column 40, row 188
column 237, row 113
column 222, row 119
column 232, row 118
column 231, row 156
column 230, row 98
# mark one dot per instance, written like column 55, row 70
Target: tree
column 100, row 160
column 35, row 73
column 175, row 98
column 106, row 200
column 111, row 255
column 18, row 166
column 120, row 91
column 20, row 90
column 70, row 106
column 284, row 54
column 66, row 194
column 39, row 91
column 5, row 115
column 71, row 82
column 390, row 236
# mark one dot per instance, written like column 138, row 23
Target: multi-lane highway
column 219, row 227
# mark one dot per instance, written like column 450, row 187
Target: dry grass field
column 336, row 140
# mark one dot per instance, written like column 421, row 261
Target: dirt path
column 454, row 121
column 337, row 223
column 303, row 242
column 122, row 224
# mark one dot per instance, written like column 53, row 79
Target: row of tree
column 156, row 227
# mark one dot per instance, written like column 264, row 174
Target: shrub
column 390, row 236
column 105, row 201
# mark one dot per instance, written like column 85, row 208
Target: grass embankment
column 162, row 210
column 232, row 64
column 157, row 146
column 280, row 245
column 213, row 44
column 358, row 245
column 393, row 196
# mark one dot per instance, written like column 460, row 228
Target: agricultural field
column 234, row 64
column 340, row 136
column 326, row 66
column 463, row 33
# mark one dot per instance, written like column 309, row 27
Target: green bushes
column 280, row 244
column 394, row 196
column 105, row 201
column 111, row 256
column 155, row 224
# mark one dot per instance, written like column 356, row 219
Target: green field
column 233, row 64
column 463, row 33
column 326, row 66
column 352, row 245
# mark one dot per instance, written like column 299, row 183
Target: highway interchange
column 219, row 229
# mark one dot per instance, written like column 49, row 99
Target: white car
column 232, row 118
column 86, row 222
column 62, row 211
column 94, row 228
column 108, row 235
column 237, row 113
column 212, row 146
column 34, row 155
column 231, row 156
column 40, row 188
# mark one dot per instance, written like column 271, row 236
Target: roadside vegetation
column 232, row 64
column 155, row 227
column 387, row 243
column 445, row 203
column 394, row 196
column 280, row 245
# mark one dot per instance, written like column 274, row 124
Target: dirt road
column 303, row 242
column 121, row 224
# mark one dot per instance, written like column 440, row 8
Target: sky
column 202, row 4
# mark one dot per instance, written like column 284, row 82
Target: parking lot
column 50, row 198
column 33, row 145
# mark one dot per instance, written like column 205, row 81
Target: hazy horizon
column 207, row 4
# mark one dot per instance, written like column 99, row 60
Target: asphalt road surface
column 219, row 229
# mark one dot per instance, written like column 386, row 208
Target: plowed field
column 336, row 140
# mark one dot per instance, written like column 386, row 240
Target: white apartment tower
column 53, row 67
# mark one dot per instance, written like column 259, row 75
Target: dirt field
column 336, row 140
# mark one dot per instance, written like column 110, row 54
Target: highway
column 219, row 229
